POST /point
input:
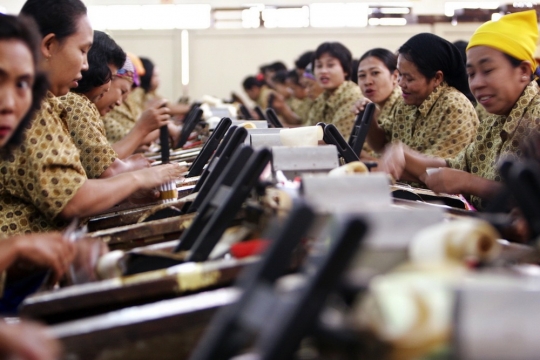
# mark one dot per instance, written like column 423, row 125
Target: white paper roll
column 302, row 136
column 354, row 167
column 455, row 240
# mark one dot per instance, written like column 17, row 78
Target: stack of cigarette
column 168, row 192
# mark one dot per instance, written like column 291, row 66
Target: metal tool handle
column 273, row 119
column 209, row 147
column 361, row 129
column 189, row 126
column 333, row 136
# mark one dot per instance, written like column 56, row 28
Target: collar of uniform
column 427, row 104
column 331, row 99
column 512, row 121
column 394, row 96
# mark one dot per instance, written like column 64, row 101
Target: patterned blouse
column 500, row 136
column 40, row 177
column 336, row 108
column 300, row 107
column 119, row 121
column 87, row 132
column 385, row 118
column 443, row 125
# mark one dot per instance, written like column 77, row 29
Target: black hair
column 339, row 51
column 388, row 58
column 280, row 77
column 58, row 17
column 354, row 71
column 276, row 66
column 442, row 56
column 146, row 79
column 461, row 45
column 251, row 82
column 24, row 29
column 304, row 60
column 293, row 76
column 104, row 52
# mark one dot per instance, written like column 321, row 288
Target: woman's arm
column 101, row 194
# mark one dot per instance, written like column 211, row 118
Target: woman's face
column 493, row 81
column 97, row 93
column 328, row 72
column 119, row 88
column 66, row 59
column 16, row 79
column 375, row 80
column 415, row 86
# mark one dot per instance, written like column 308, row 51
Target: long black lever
column 209, row 147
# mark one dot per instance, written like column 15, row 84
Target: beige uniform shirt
column 88, row 134
column 119, row 121
column 336, row 108
column 500, row 136
column 300, row 107
column 39, row 178
column 443, row 125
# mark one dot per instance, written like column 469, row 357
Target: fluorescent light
column 387, row 21
column 286, row 18
column 131, row 17
column 3, row 10
column 395, row 10
column 451, row 6
column 251, row 18
column 185, row 57
column 338, row 14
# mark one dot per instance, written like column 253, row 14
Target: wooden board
column 168, row 329
column 85, row 300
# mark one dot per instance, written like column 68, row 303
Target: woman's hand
column 28, row 341
column 360, row 105
column 447, row 180
column 49, row 250
column 393, row 161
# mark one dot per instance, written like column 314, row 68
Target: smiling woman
column 433, row 116
column 332, row 67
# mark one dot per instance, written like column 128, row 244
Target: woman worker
column 22, row 87
column 43, row 183
column 377, row 78
column 331, row 66
column 433, row 116
column 502, row 49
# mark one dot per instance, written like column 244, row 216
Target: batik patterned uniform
column 386, row 113
column 300, row 107
column 336, row 108
column 40, row 177
column 443, row 125
column 87, row 132
column 500, row 136
column 119, row 121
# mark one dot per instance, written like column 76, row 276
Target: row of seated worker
column 437, row 106
column 57, row 161
column 60, row 80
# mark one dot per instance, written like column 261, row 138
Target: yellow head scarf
column 513, row 34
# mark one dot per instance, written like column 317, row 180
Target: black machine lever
column 164, row 142
column 333, row 136
column 361, row 128
column 189, row 125
column 273, row 118
column 216, row 166
column 209, row 147
column 225, row 201
column 244, row 111
column 260, row 113
column 279, row 320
